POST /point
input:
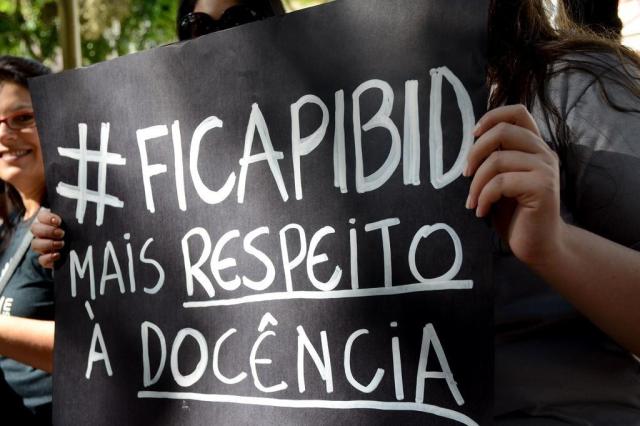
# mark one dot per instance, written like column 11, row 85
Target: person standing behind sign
column 552, row 277
column 26, row 290
column 557, row 167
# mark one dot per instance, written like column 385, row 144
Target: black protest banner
column 267, row 225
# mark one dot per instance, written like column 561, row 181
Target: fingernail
column 465, row 170
column 54, row 221
column 55, row 256
column 58, row 244
column 478, row 215
column 468, row 203
column 477, row 128
column 58, row 233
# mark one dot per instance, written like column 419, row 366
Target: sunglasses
column 196, row 24
column 19, row 120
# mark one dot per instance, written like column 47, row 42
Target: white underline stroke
column 294, row 403
column 336, row 294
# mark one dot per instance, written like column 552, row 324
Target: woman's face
column 214, row 8
column 20, row 154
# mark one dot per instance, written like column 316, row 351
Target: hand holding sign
column 510, row 162
column 48, row 237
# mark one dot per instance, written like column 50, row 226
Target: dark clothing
column 28, row 294
column 552, row 365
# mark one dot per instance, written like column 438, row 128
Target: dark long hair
column 14, row 70
column 526, row 50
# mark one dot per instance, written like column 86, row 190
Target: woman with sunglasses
column 26, row 289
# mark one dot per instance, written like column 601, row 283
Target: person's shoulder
column 596, row 62
column 597, row 59
column 593, row 76
column 598, row 97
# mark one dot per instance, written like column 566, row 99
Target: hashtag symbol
column 84, row 156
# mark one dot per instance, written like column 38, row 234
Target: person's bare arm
column 516, row 177
column 28, row 341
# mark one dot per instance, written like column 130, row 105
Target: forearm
column 28, row 341
column 601, row 279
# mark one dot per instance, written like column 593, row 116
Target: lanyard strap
column 15, row 259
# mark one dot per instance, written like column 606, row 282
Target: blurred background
column 629, row 12
column 107, row 28
column 110, row 28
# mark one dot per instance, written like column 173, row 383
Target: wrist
column 554, row 252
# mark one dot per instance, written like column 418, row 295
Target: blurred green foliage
column 29, row 28
column 109, row 28
column 301, row 4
